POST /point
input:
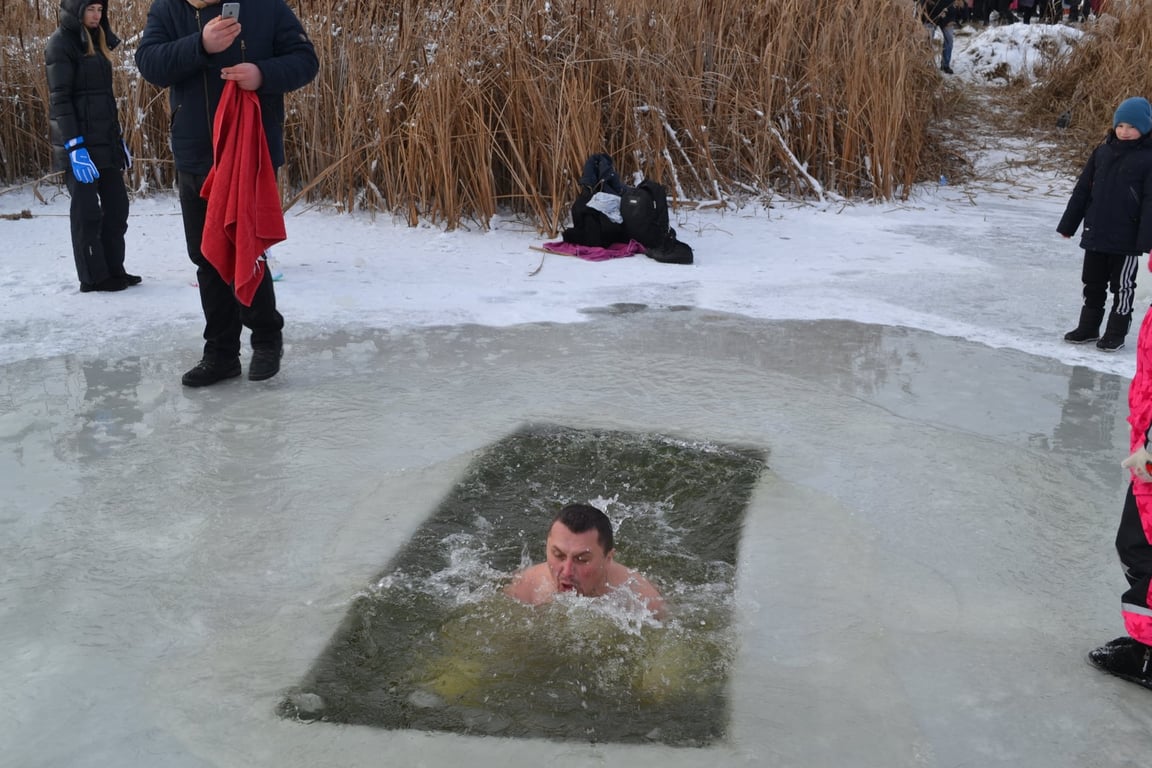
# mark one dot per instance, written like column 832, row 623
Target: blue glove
column 82, row 166
column 127, row 155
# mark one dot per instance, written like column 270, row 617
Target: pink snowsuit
column 1134, row 538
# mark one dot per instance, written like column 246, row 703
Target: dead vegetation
column 451, row 112
column 1077, row 92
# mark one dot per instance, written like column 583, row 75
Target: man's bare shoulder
column 627, row 578
column 533, row 585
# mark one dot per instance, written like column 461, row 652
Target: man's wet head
column 580, row 548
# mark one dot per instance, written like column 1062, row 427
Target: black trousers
column 99, row 217
column 1135, row 553
column 1109, row 271
column 224, row 315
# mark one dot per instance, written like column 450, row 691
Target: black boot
column 130, row 280
column 265, row 362
column 1089, row 327
column 1114, row 333
column 105, row 285
column 1126, row 658
column 211, row 370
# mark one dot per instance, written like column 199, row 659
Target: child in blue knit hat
column 1113, row 198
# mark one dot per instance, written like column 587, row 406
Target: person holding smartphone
column 192, row 48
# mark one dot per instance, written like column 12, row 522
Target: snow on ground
column 921, row 263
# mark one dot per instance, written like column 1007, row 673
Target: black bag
column 645, row 212
column 590, row 226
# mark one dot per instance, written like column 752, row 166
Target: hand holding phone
column 218, row 34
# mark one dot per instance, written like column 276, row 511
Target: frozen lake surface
column 923, row 565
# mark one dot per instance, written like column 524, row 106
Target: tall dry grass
column 1086, row 85
column 453, row 111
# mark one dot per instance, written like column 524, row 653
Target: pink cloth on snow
column 594, row 253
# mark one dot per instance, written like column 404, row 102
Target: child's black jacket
column 1113, row 198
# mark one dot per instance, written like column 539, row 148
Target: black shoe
column 108, row 284
column 1081, row 336
column 265, row 363
column 1088, row 329
column 1114, row 332
column 210, row 370
column 132, row 279
column 1126, row 658
column 671, row 251
column 947, row 70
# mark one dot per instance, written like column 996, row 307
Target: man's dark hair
column 584, row 517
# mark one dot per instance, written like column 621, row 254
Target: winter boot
column 211, row 370
column 1126, row 658
column 1089, row 327
column 1114, row 332
column 265, row 362
column 105, row 285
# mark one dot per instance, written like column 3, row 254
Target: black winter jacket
column 1113, row 197
column 170, row 55
column 951, row 15
column 933, row 11
column 80, row 98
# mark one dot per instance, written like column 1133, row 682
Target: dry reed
column 454, row 112
column 1082, row 88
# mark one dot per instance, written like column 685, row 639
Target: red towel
column 244, row 217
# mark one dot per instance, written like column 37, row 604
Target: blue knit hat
column 1137, row 112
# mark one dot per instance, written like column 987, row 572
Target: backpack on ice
column 645, row 213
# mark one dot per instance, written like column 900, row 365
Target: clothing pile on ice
column 607, row 213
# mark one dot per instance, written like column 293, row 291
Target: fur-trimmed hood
column 72, row 18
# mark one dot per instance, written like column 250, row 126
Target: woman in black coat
column 87, row 143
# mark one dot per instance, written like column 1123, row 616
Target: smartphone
column 231, row 10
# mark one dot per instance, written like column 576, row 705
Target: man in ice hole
column 581, row 559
